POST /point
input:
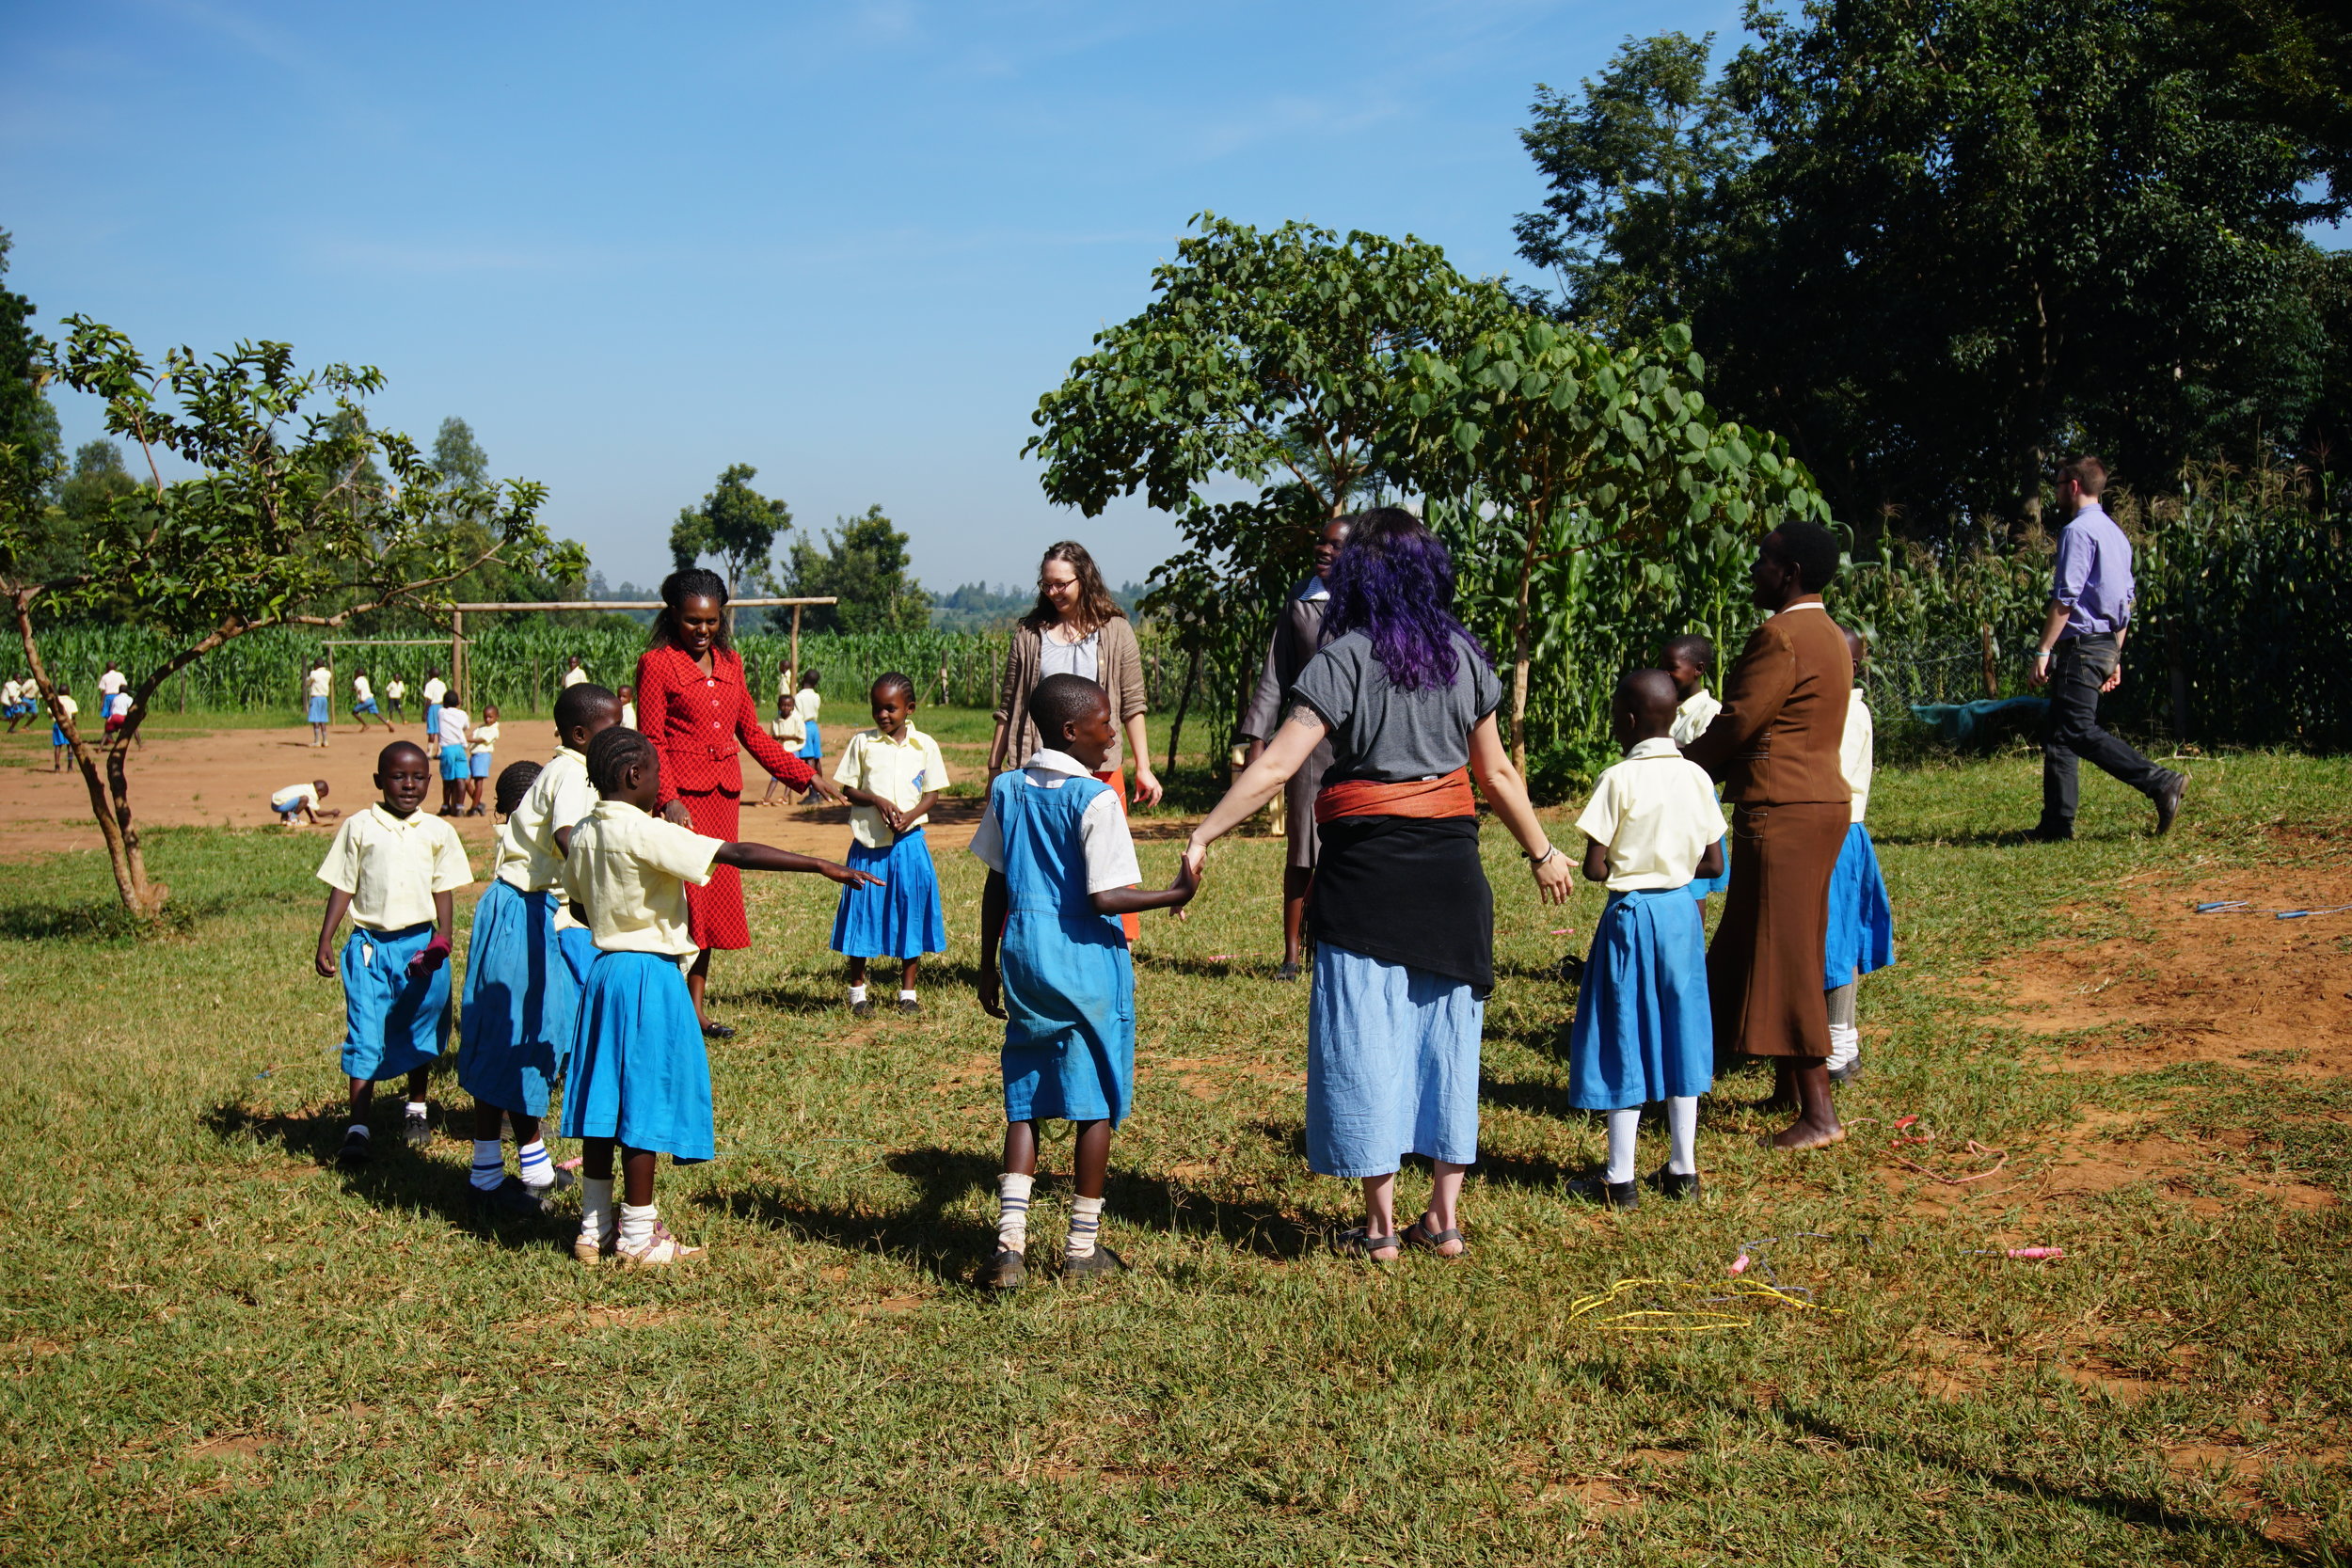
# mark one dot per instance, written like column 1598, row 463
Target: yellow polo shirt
column 393, row 865
column 513, row 854
column 1656, row 813
column 901, row 771
column 560, row 797
column 629, row 871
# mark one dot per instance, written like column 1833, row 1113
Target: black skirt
column 1406, row 890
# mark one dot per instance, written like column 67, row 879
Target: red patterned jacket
column 696, row 722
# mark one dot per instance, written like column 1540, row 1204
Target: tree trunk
column 109, row 798
column 1522, row 652
column 1184, row 700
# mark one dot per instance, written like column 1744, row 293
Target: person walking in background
column 318, row 686
column 698, row 712
column 2080, row 658
column 482, row 749
column 65, row 707
column 1775, row 748
column 573, row 673
column 455, row 771
column 1296, row 640
column 435, row 689
column 395, row 694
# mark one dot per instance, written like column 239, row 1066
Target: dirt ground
column 224, row 779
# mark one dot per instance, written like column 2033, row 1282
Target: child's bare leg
column 1817, row 1115
column 362, row 1096
column 1094, row 1158
column 417, row 1082
column 696, row 978
column 907, row 971
column 1444, row 1213
column 857, row 972
column 489, row 1123
column 1009, row 1268
column 1021, row 1148
column 596, row 1159
column 637, row 1168
column 1380, row 1210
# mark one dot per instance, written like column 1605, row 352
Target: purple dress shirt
column 2093, row 578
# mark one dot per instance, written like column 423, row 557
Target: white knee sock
column 1012, row 1210
column 1086, row 1224
column 637, row 1224
column 1845, row 1039
column 595, row 1208
column 489, row 1163
column 537, row 1169
column 1683, row 1134
column 1622, row 1125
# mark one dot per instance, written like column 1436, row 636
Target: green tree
column 285, row 522
column 863, row 563
column 735, row 524
column 31, row 450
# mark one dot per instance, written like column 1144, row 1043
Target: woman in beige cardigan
column 1077, row 628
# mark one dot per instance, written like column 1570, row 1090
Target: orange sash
column 1449, row 796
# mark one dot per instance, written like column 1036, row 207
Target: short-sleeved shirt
column 319, row 683
column 393, row 865
column 11, row 692
column 628, row 716
column 1382, row 732
column 1656, row 813
column 361, row 689
column 294, row 796
column 901, row 771
column 1108, row 848
column 396, row 688
column 435, row 688
column 574, row 675
column 67, row 705
column 1854, row 752
column 513, row 855
column 453, row 721
column 112, row 681
column 629, row 870
column 561, row 796
column 804, row 706
column 485, row 739
column 1697, row 712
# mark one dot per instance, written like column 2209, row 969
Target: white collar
column 1656, row 745
column 1050, row 761
column 608, row 805
column 1814, row 603
column 1314, row 588
column 393, row 819
column 1701, row 695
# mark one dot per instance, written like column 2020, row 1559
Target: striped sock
column 1012, row 1211
column 538, row 1170
column 1086, row 1224
column 489, row 1164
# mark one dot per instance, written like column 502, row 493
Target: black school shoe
column 416, row 1131
column 1006, row 1271
column 510, row 1197
column 1099, row 1264
column 359, row 1150
column 1673, row 1188
column 2168, row 799
column 1608, row 1194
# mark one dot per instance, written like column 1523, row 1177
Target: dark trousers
column 2078, row 668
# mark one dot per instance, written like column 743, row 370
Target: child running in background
column 1642, row 1032
column 115, row 708
column 19, row 700
column 1061, row 870
column 319, row 688
column 509, row 1051
column 1860, row 921
column 1690, row 659
column 638, row 1077
column 455, row 771
column 301, row 800
column 393, row 869
column 481, row 756
column 363, row 704
column 395, row 694
column 435, row 688
column 110, row 686
column 66, row 708
column 891, row 775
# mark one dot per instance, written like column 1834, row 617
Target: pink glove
column 433, row 957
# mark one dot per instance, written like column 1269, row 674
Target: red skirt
column 714, row 912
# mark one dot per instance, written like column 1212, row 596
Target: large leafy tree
column 863, row 563
column 299, row 513
column 737, row 526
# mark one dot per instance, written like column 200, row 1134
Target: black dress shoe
column 2050, row 835
column 1608, row 1194
column 1006, row 1271
column 718, row 1031
column 1674, row 1189
column 2168, row 801
column 510, row 1197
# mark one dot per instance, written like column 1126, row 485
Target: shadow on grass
column 398, row 1176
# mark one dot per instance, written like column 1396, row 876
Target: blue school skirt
column 901, row 919
column 579, row 947
column 639, row 1072
column 1643, row 1031
column 1392, row 1064
column 452, row 762
column 320, row 713
column 522, row 1002
column 57, row 732
column 1070, row 1034
column 1861, row 922
column 396, row 1022
column 432, row 721
column 813, row 748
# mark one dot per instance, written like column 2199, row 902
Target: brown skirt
column 1764, row 967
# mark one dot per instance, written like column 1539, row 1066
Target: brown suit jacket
column 1776, row 740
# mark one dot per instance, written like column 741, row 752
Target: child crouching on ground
column 1861, row 922
column 1061, row 871
column 511, row 1041
column 638, row 1078
column 393, row 868
column 891, row 775
column 301, row 800
column 1642, row 1032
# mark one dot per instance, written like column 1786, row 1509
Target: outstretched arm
column 1506, row 792
column 1258, row 783
column 1135, row 900
column 762, row 857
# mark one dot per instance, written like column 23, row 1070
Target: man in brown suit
column 1295, row 642
column 1775, row 747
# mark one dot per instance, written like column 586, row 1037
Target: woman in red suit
column 693, row 705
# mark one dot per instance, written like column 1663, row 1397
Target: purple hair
column 1394, row 581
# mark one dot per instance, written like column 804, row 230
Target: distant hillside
column 977, row 606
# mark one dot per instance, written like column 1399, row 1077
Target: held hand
column 1556, row 879
column 1196, row 859
column 992, row 993
column 676, row 811
column 435, row 954
column 848, row 878
column 324, row 962
column 1148, row 790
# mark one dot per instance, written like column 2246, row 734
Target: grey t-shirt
column 1378, row 732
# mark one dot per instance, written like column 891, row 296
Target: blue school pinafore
column 1070, row 989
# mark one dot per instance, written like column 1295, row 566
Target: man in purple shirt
column 2080, row 654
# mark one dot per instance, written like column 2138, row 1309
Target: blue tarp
column 1984, row 720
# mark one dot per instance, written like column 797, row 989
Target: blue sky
column 849, row 243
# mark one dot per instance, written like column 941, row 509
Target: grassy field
column 218, row 1348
